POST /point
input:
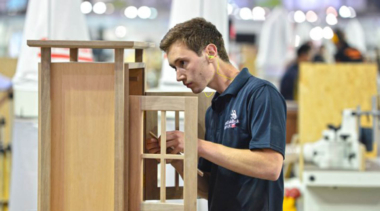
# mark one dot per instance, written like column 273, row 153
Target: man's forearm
column 263, row 164
column 202, row 180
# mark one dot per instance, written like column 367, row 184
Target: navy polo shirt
column 249, row 114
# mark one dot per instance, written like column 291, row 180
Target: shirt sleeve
column 267, row 115
column 203, row 164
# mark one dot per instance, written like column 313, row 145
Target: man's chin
column 196, row 91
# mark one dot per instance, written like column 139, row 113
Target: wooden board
column 89, row 44
column 325, row 90
column 82, row 150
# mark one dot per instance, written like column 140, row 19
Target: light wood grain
column 121, row 106
column 83, row 118
column 176, row 175
column 44, row 132
column 159, row 156
column 163, row 161
column 326, row 89
column 154, row 103
column 89, row 44
column 73, row 54
column 161, row 207
column 151, row 191
column 135, row 152
column 191, row 154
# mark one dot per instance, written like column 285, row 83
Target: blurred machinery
column 344, row 147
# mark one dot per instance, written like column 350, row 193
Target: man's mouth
column 188, row 85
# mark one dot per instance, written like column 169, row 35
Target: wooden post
column 44, row 132
column 120, row 105
column 73, row 54
column 191, row 154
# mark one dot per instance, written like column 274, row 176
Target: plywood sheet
column 82, row 136
column 325, row 90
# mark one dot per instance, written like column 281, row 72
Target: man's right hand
column 153, row 146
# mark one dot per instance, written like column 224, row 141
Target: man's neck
column 225, row 73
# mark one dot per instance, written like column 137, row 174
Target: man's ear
column 211, row 51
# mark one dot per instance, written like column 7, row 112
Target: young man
column 289, row 82
column 243, row 153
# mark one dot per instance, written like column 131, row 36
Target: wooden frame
column 151, row 188
column 139, row 104
column 58, row 143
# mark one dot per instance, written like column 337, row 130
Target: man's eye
column 182, row 63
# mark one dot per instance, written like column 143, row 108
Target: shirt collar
column 234, row 88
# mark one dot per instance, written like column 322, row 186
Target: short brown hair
column 196, row 33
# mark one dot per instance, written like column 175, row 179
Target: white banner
column 53, row 20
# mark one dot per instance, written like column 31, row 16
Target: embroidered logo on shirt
column 232, row 123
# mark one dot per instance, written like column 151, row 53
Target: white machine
column 340, row 148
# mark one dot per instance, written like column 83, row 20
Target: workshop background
column 332, row 160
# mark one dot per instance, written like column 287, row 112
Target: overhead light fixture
column 86, row 7
column 299, row 16
column 245, row 13
column 130, row 12
column 100, row 8
column 311, row 16
column 331, row 19
column 144, row 12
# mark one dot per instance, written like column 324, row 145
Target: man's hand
column 176, row 141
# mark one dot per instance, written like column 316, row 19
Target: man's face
column 194, row 71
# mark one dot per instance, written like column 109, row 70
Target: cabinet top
column 89, row 44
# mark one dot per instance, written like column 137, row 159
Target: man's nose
column 180, row 76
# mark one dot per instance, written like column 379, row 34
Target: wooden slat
column 163, row 161
column 191, row 154
column 73, row 54
column 138, row 55
column 135, row 151
column 120, row 104
column 176, row 175
column 44, row 132
column 159, row 156
column 89, row 44
column 161, row 207
column 155, row 103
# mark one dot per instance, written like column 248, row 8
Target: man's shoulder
column 255, row 84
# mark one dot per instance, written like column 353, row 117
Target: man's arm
column 261, row 163
column 203, row 181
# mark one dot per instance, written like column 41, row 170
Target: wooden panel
column 136, row 80
column 325, row 90
column 83, row 136
column 44, row 132
column 161, row 207
column 154, row 103
column 73, row 54
column 138, row 55
column 135, row 151
column 121, row 130
column 89, row 44
column 191, row 155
